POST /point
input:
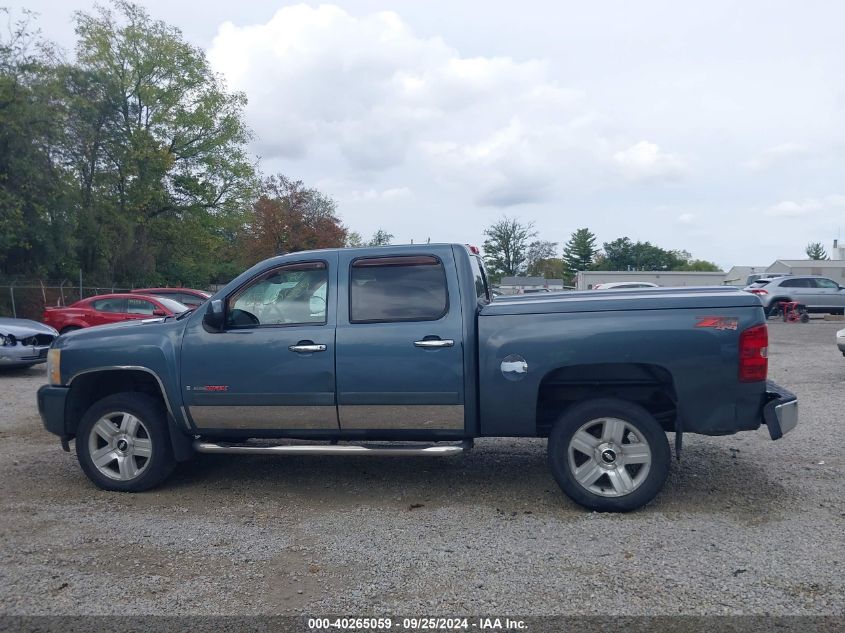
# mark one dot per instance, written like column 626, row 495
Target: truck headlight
column 54, row 372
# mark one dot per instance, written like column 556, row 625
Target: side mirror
column 212, row 320
column 159, row 313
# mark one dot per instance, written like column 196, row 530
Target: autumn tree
column 506, row 247
column 290, row 217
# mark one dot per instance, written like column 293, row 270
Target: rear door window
column 826, row 283
column 796, row 283
column 139, row 306
column 403, row 288
column 109, row 305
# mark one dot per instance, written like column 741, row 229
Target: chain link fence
column 26, row 299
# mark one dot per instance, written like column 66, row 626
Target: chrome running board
column 402, row 450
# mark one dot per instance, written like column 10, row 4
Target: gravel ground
column 744, row 526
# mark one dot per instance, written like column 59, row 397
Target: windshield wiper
column 184, row 313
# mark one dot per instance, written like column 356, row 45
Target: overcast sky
column 716, row 127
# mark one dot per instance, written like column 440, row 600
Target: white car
column 840, row 341
column 624, row 285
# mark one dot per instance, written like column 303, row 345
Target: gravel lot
column 744, row 525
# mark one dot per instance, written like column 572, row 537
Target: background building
column 516, row 285
column 585, row 280
column 831, row 268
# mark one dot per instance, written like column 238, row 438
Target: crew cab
column 399, row 350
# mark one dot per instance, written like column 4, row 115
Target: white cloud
column 645, row 161
column 685, row 218
column 371, row 195
column 805, row 206
column 369, row 91
column 776, row 155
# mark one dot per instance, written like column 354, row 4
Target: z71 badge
column 718, row 322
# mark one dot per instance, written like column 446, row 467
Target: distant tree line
column 511, row 250
column 130, row 162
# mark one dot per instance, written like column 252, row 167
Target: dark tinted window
column 109, row 305
column 796, row 283
column 408, row 288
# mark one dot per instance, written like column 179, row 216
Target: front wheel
column 609, row 455
column 123, row 443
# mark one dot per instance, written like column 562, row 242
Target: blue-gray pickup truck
column 400, row 351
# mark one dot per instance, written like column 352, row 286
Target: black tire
column 150, row 412
column 805, row 318
column 69, row 328
column 648, row 431
column 774, row 308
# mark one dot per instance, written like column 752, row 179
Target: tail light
column 754, row 354
column 759, row 291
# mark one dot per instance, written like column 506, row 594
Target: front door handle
column 434, row 342
column 307, row 347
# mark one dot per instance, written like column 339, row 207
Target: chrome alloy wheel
column 120, row 446
column 608, row 457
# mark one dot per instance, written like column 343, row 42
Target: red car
column 190, row 297
column 104, row 309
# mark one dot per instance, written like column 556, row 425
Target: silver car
column 817, row 294
column 24, row 343
column 840, row 341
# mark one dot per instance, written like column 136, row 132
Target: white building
column 587, row 279
column 831, row 268
column 738, row 275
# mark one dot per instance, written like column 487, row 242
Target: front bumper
column 780, row 413
column 51, row 407
column 14, row 355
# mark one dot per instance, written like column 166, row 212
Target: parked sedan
column 190, row 297
column 840, row 341
column 114, row 308
column 24, row 343
column 817, row 294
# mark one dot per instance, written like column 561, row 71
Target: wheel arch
column 89, row 386
column 649, row 385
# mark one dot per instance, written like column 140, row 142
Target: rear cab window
column 397, row 288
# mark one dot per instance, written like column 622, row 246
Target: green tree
column 506, row 247
column 579, row 252
column 34, row 234
column 815, row 250
column 154, row 140
column 381, row 238
column 354, row 240
column 538, row 253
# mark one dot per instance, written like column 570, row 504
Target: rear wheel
column 609, row 455
column 123, row 443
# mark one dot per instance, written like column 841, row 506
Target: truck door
column 399, row 344
column 272, row 368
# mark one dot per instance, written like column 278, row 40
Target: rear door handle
column 435, row 342
column 307, row 347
